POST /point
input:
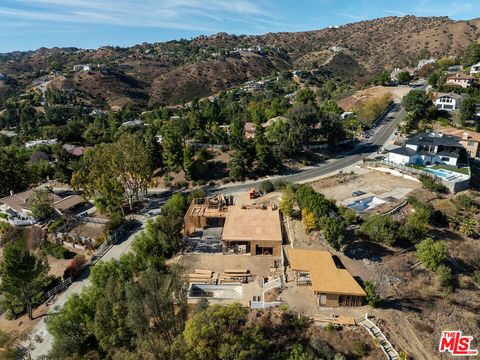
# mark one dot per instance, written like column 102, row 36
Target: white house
column 30, row 144
column 465, row 81
column 429, row 149
column 448, row 102
column 475, row 69
column 84, row 67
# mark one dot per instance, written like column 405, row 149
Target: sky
column 30, row 24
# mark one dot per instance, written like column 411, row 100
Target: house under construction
column 331, row 285
column 206, row 212
column 254, row 229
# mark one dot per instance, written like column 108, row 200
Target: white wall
column 398, row 159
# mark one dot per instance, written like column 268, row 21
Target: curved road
column 383, row 130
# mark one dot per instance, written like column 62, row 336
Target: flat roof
column 252, row 224
column 326, row 277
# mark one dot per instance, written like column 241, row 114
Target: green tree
column 40, row 206
column 373, row 298
column 24, row 277
column 334, row 231
column 157, row 304
column 218, row 333
column 416, row 101
column 287, row 201
column 380, row 228
column 445, row 275
column 71, row 327
column 188, row 162
column 305, row 96
column 432, row 253
column 172, row 145
column 468, row 108
column 404, row 77
column 471, row 54
column 266, row 161
column 110, row 321
column 125, row 160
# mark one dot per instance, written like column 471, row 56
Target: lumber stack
column 234, row 276
column 200, row 276
column 334, row 320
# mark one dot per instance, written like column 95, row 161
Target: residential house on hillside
column 82, row 67
column 470, row 140
column 332, row 285
column 272, row 121
column 30, row 144
column 454, row 69
column 133, row 123
column 74, row 150
column 17, row 207
column 465, row 81
column 475, row 69
column 448, row 102
column 429, row 149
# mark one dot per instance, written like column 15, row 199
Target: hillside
column 177, row 71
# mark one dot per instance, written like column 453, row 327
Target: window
column 471, row 143
column 445, row 158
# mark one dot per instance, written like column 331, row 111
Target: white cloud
column 173, row 14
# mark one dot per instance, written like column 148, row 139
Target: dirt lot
column 397, row 93
column 259, row 266
column 385, row 185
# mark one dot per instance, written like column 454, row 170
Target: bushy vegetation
column 433, row 185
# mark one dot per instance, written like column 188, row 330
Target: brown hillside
column 177, row 71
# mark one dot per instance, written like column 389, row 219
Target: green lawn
column 464, row 170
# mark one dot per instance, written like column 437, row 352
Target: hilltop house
column 30, row 144
column 475, row 69
column 470, row 140
column 254, row 230
column 17, row 207
column 448, row 102
column 429, row 149
column 465, row 81
column 82, row 67
column 332, row 286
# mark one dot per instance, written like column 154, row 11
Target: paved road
column 42, row 348
column 384, row 130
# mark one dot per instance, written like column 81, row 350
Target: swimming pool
column 447, row 174
column 365, row 203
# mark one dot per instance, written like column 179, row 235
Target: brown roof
column 22, row 200
column 271, row 121
column 460, row 77
column 68, row 202
column 461, row 134
column 252, row 224
column 326, row 277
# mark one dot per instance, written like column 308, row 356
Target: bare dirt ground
column 259, row 266
column 397, row 93
column 386, row 185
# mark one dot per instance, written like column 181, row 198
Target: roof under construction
column 252, row 224
column 326, row 277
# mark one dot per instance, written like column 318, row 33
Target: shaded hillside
column 176, row 71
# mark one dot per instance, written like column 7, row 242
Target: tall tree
column 126, row 160
column 24, row 277
column 157, row 304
